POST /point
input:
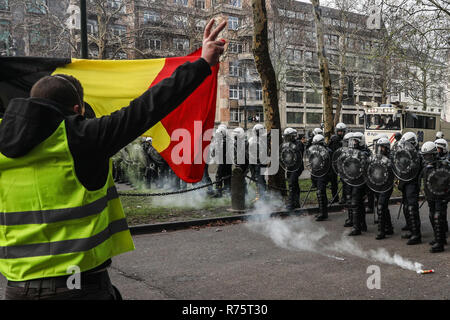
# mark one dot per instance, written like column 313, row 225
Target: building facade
column 137, row 29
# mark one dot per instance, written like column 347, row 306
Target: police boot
column 439, row 233
column 323, row 207
column 407, row 227
column 356, row 228
column 381, row 223
column 416, row 236
column 389, row 229
column 349, row 221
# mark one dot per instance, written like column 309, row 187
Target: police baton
column 399, row 210
column 309, row 191
column 334, row 198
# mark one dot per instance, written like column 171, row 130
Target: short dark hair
column 61, row 88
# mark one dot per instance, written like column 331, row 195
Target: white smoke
column 304, row 234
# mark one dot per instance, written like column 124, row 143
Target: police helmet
column 318, row 139
column 441, row 143
column 341, row 127
column 257, row 128
column 439, row 135
column 360, row 137
column 384, row 142
column 428, row 147
column 221, row 130
column 317, row 131
column 239, row 132
column 289, row 131
column 348, row 136
column 410, row 137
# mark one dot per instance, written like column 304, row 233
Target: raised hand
column 212, row 48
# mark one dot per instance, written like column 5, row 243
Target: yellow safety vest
column 49, row 222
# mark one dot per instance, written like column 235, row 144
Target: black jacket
column 28, row 122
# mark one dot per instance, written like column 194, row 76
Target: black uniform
column 437, row 211
column 293, row 176
column 410, row 199
column 224, row 166
column 357, row 203
column 334, row 144
column 255, row 168
column 321, row 184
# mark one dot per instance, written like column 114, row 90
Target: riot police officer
column 442, row 148
column 382, row 160
column 258, row 144
column 437, row 196
column 222, row 156
column 292, row 161
column 334, row 144
column 410, row 192
column 357, row 142
column 347, row 189
column 321, row 181
column 439, row 135
column 315, row 132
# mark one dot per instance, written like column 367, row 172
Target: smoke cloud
column 304, row 234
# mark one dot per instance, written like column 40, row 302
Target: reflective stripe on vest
column 49, row 222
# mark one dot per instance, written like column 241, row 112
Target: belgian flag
column 110, row 85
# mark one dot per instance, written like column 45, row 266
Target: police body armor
column 258, row 150
column 352, row 167
column 318, row 160
column 290, row 156
column 335, row 158
column 405, row 161
column 436, row 180
column 380, row 177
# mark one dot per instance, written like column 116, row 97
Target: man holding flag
column 60, row 212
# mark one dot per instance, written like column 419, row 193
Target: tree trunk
column 327, row 90
column 268, row 79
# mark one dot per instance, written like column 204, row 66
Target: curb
column 173, row 226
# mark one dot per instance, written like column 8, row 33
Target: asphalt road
column 236, row 262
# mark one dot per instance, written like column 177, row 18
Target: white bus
column 390, row 119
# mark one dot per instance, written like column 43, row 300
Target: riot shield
column 352, row 165
column 335, row 158
column 436, row 180
column 380, row 177
column 405, row 161
column 290, row 157
column 155, row 156
column 317, row 160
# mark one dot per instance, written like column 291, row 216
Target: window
column 181, row 2
column 309, row 56
column 233, row 23
column 4, row 5
column 92, row 27
column 293, row 76
column 180, row 44
column 349, row 118
column 36, row 38
column 154, row 44
column 235, row 70
column 37, row 6
column 294, row 55
column 294, row 96
column 116, row 4
column 314, row 98
column 200, row 4
column 313, row 118
column 294, row 117
column 200, row 25
column 382, row 122
column 413, row 120
column 236, row 3
column 236, row 92
column 150, row 16
column 119, row 30
column 259, row 94
column 235, row 47
column 300, row 15
column 236, row 116
column 290, row 14
column 4, row 35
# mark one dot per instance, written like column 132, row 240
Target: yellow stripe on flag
column 110, row 85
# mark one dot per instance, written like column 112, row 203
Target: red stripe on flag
column 199, row 106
